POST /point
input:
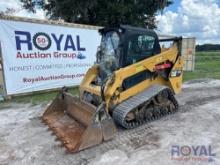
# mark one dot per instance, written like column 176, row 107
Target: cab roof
column 128, row 28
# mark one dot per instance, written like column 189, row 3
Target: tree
column 208, row 47
column 101, row 12
column 8, row 11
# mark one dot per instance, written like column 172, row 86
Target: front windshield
column 108, row 56
column 109, row 45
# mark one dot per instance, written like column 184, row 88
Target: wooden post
column 3, row 75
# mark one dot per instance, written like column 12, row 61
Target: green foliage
column 101, row 12
column 208, row 47
column 8, row 11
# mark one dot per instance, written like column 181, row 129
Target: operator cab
column 125, row 45
column 128, row 44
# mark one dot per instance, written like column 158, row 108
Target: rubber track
column 120, row 112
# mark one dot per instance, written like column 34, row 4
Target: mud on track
column 24, row 139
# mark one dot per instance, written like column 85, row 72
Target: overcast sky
column 199, row 18
column 195, row 18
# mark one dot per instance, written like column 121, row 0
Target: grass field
column 39, row 97
column 207, row 65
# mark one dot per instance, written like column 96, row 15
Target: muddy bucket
column 77, row 124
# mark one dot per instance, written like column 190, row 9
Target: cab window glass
column 141, row 44
column 139, row 48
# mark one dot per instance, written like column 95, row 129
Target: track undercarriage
column 149, row 105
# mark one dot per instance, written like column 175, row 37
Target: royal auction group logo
column 44, row 41
column 41, row 41
column 192, row 153
column 48, row 45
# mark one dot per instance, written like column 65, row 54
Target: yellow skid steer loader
column 132, row 82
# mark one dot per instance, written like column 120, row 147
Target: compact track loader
column 132, row 82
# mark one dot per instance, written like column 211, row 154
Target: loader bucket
column 77, row 124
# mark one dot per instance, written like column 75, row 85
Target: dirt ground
column 24, row 139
